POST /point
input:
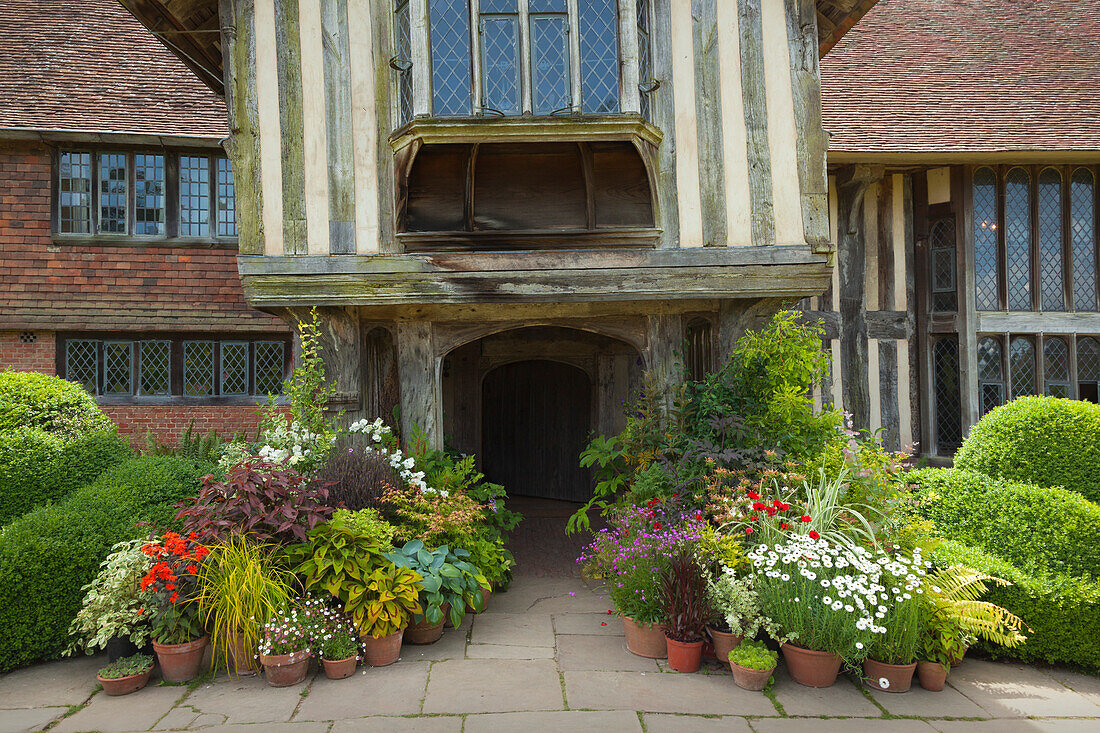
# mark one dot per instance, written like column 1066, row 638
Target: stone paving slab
column 513, row 629
column 68, row 682
column 137, row 711
column 18, row 721
column 269, row 728
column 694, row 724
column 595, row 653
column 452, row 645
column 1082, row 684
column 839, row 725
column 502, row 651
column 1018, row 725
column 246, row 699
column 601, row 623
column 843, row 698
column 662, row 693
column 1018, row 691
column 493, row 686
column 919, row 702
column 438, row 724
column 559, row 722
column 394, row 690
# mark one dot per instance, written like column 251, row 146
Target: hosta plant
column 114, row 604
column 446, row 577
column 392, row 599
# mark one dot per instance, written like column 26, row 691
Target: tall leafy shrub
column 1043, row 440
column 53, row 404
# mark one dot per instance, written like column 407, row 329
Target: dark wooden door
column 535, row 419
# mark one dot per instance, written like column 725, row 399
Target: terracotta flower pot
column 384, row 651
column 241, row 662
column 959, row 659
column 888, row 677
column 811, row 668
column 338, row 669
column 180, row 662
column 645, row 640
column 284, row 670
column 684, row 656
column 125, row 685
column 724, row 643
column 932, row 675
column 446, row 608
column 486, row 594
column 751, row 679
column 423, row 633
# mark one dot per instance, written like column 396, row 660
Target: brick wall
column 167, row 422
column 28, row 351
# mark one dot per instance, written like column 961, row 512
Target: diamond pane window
column 1018, row 238
column 941, row 238
column 1021, row 354
column 550, row 62
column 1056, row 367
column 154, row 367
column 1050, row 241
column 645, row 64
column 500, row 62
column 194, row 196
column 1088, row 369
column 113, row 192
column 82, row 364
column 990, row 368
column 148, row 194
column 599, row 49
column 118, row 367
column 234, row 367
column 449, row 28
column 948, row 400
column 227, row 199
column 985, row 240
column 198, row 368
column 1082, row 231
column 74, row 193
column 270, row 366
column 403, row 46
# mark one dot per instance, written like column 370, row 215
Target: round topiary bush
column 40, row 401
column 1043, row 440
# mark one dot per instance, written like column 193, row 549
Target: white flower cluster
column 297, row 443
column 867, row 585
column 401, row 463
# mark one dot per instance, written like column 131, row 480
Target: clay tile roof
column 88, row 65
column 966, row 76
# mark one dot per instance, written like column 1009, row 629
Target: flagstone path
column 546, row 656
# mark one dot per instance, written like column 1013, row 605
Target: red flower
column 140, row 611
column 651, row 503
column 174, row 597
column 603, row 623
column 806, row 518
column 698, row 516
column 192, row 569
column 777, row 503
column 753, row 495
column 751, row 518
column 170, row 586
column 759, row 505
column 784, row 525
column 784, row 506
column 771, row 511
column 675, row 496
column 814, row 534
column 609, row 612
column 656, row 525
column 748, row 530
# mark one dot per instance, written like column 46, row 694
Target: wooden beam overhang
column 589, row 128
column 534, row 277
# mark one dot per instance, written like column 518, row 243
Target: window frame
column 172, row 203
column 176, row 343
column 1038, row 341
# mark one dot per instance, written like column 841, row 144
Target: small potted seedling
column 126, row 675
column 752, row 664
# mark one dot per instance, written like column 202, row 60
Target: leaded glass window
column 113, row 193
column 1088, row 369
column 645, row 56
column 549, row 32
column 1056, row 368
column 991, row 381
column 599, row 50
column 154, row 367
column 234, row 368
column 198, row 368
column 227, row 199
column 986, row 214
column 194, row 196
column 1021, row 354
column 82, row 364
column 499, row 31
column 1083, row 239
column 699, row 337
column 1050, row 241
column 941, row 240
column 149, row 194
column 449, row 29
column 118, row 367
column 403, row 62
column 1018, row 238
column 270, row 367
column 74, row 193
column 948, row 397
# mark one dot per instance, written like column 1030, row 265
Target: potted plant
column 736, row 609
column 685, row 610
column 752, row 664
column 892, row 655
column 448, row 580
column 338, row 648
column 393, row 594
column 115, row 615
column 126, row 675
column 178, row 635
column 285, row 647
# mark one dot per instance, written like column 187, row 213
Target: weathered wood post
column 421, row 391
column 341, row 353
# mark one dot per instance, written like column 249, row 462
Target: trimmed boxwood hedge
column 1061, row 611
column 1044, row 440
column 51, row 403
column 47, row 555
column 1034, row 528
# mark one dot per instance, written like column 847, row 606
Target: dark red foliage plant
column 684, row 602
column 267, row 501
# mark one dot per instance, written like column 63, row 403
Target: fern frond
column 990, row 622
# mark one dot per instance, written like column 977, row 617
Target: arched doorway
column 536, row 419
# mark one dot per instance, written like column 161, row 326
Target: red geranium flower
column 772, row 511
column 759, row 505
column 753, row 495
column 174, row 597
column 656, row 525
column 748, row 530
column 784, row 525
column 807, row 518
column 814, row 534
